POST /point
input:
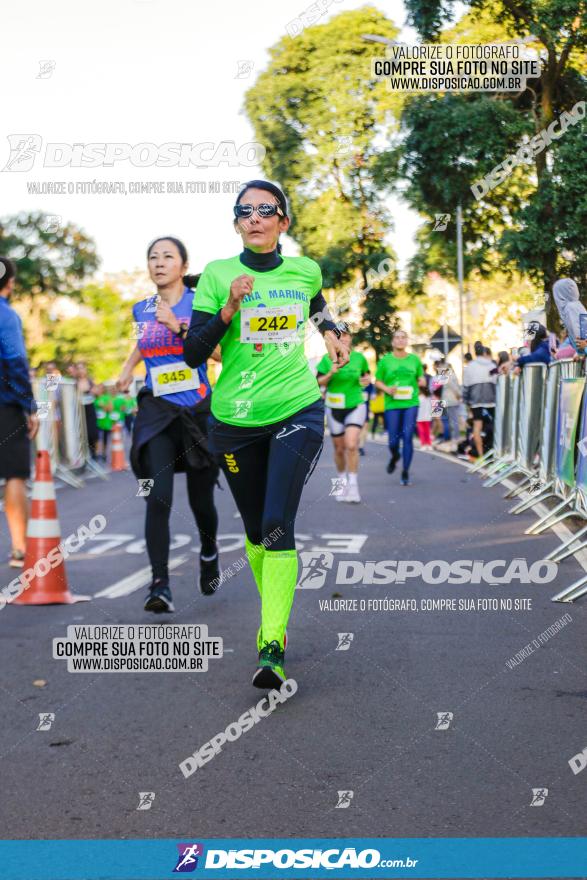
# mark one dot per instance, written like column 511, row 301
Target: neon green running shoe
column 270, row 673
column 260, row 640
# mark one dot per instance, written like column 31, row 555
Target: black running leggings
column 161, row 453
column 267, row 477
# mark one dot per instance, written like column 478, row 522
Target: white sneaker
column 352, row 494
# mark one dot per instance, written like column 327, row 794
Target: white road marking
column 134, row 582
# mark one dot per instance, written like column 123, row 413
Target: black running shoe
column 159, row 599
column 209, row 576
column 16, row 559
column 392, row 462
column 270, row 673
column 405, row 478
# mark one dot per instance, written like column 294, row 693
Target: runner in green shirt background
column 399, row 375
column 346, row 413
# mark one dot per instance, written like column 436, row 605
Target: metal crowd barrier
column 499, row 454
column 510, row 402
column 546, row 476
column 62, row 430
column 541, row 434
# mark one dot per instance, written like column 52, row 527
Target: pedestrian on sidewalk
column 87, row 391
column 450, row 392
column 479, row 392
column 424, row 420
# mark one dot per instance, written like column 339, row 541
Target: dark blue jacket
column 15, row 385
column 540, row 356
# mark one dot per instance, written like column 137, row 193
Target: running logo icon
column 188, row 857
column 138, row 328
column 345, row 145
column 247, row 379
column 146, row 799
column 46, row 719
column 152, row 303
column 244, row 69
column 52, row 381
column 145, row 487
column 539, row 795
column 344, row 800
column 338, row 486
column 242, row 408
column 43, row 408
column 23, row 151
column 52, row 223
column 315, row 567
column 344, row 641
column 443, row 720
column 441, row 222
column 46, row 68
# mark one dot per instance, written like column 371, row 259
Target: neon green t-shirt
column 103, row 418
column 262, row 382
column 403, row 373
column 119, row 411
column 344, row 391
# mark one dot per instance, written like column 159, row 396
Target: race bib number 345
column 170, row 378
column 260, row 325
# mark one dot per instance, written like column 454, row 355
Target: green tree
column 53, row 259
column 532, row 230
column 378, row 322
column 324, row 117
column 101, row 334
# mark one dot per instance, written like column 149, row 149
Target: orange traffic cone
column 47, row 585
column 117, row 459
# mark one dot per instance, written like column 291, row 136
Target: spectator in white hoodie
column 566, row 297
column 479, row 392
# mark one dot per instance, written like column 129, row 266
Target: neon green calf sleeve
column 255, row 554
column 280, row 574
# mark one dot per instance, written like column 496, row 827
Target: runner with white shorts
column 346, row 413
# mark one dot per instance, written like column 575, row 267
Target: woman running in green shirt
column 399, row 375
column 346, row 413
column 267, row 422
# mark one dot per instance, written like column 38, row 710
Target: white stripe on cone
column 43, row 491
column 43, row 528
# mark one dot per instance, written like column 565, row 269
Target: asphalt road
column 365, row 717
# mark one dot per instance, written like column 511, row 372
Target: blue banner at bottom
column 225, row 858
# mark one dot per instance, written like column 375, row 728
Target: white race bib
column 403, row 392
column 335, row 401
column 260, row 325
column 170, row 378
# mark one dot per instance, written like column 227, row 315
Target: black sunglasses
column 263, row 210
